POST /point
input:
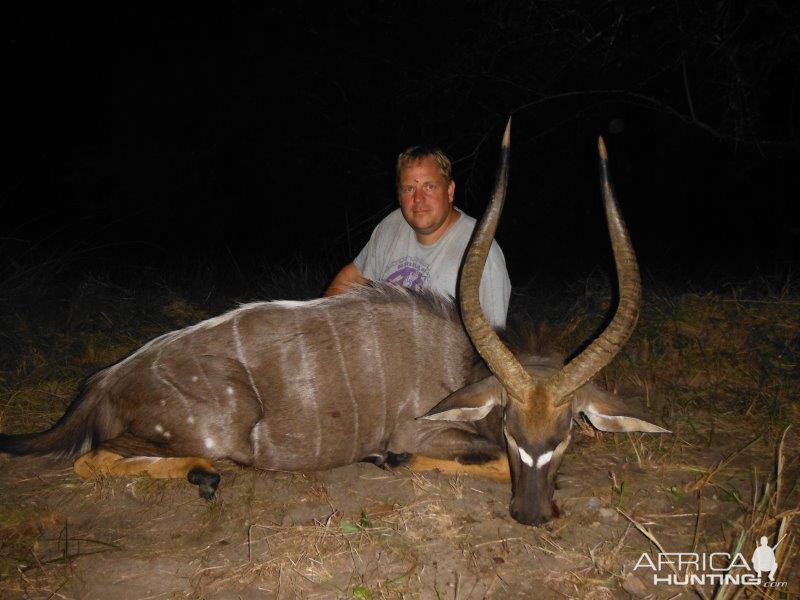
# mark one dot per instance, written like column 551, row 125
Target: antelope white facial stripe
column 544, row 459
column 540, row 462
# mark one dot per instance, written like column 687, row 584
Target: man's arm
column 345, row 279
column 495, row 289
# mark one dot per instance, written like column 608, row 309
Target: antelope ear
column 608, row 413
column 471, row 403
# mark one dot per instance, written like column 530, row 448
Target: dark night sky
column 139, row 135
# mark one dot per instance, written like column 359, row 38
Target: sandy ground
column 362, row 532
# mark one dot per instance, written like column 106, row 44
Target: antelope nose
column 529, row 518
column 535, row 517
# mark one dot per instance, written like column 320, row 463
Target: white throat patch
column 526, row 458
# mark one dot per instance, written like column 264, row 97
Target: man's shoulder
column 467, row 224
column 461, row 229
column 467, row 218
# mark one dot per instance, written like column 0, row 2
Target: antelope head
column 539, row 402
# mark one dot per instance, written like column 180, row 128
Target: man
column 421, row 244
column 764, row 558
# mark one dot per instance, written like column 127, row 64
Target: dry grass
column 720, row 370
column 725, row 354
column 313, row 557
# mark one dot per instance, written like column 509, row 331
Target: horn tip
column 601, row 147
column 507, row 134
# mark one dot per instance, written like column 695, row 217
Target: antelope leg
column 495, row 469
column 127, row 455
column 455, row 451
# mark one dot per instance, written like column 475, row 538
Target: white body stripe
column 310, row 401
column 379, row 371
column 417, row 365
column 243, row 360
column 156, row 367
column 346, row 379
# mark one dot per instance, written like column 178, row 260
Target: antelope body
column 282, row 385
column 375, row 372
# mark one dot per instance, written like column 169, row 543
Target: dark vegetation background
column 209, row 149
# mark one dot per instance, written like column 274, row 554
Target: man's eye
column 407, row 189
column 429, row 187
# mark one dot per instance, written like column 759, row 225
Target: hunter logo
column 764, row 558
column 691, row 568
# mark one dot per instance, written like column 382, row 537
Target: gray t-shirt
column 393, row 255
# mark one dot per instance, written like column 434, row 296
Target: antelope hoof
column 397, row 460
column 390, row 460
column 206, row 481
column 379, row 460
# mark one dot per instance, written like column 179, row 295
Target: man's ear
column 451, row 190
column 471, row 403
column 608, row 413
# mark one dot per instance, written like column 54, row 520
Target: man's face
column 426, row 198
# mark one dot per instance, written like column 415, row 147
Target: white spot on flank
column 544, row 459
column 194, row 378
column 160, row 428
column 526, row 458
column 190, row 420
column 167, row 434
column 208, row 442
column 163, row 402
column 229, row 391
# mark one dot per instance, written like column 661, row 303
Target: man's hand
column 345, row 279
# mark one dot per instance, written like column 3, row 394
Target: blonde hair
column 415, row 153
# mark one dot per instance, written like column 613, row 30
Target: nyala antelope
column 377, row 373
